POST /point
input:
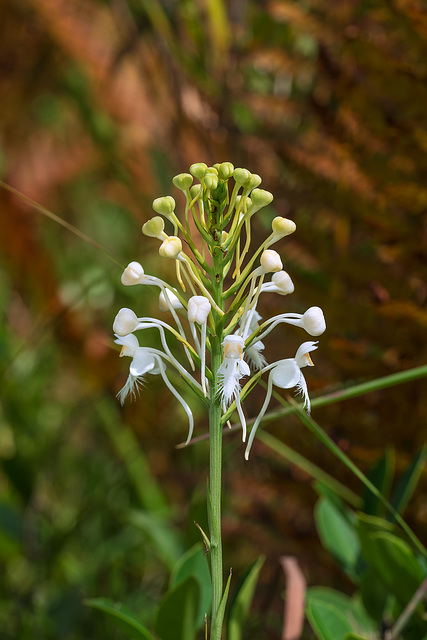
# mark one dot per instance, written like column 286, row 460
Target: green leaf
column 242, row 600
column 407, row 483
column 394, row 562
column 337, row 534
column 333, row 615
column 122, row 617
column 176, row 616
column 194, row 563
column 381, row 477
column 354, row 636
column 374, row 595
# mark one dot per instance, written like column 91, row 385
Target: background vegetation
column 102, row 103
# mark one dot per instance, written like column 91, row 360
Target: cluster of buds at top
column 214, row 303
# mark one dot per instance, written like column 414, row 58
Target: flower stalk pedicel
column 225, row 328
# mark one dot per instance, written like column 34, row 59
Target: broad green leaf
column 407, row 483
column 354, row 636
column 374, row 594
column 176, row 616
column 333, row 614
column 242, row 600
column 337, row 535
column 122, row 617
column 394, row 562
column 160, row 535
column 194, row 563
column 381, row 477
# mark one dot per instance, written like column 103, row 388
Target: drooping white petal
column 143, row 362
column 302, row 358
column 286, row 374
column 254, row 355
column 228, row 381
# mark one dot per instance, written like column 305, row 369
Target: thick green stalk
column 215, row 453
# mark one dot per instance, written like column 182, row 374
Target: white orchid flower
column 281, row 283
column 286, row 374
column 312, row 321
column 198, row 311
column 230, row 372
column 147, row 360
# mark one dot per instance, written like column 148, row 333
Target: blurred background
column 102, row 103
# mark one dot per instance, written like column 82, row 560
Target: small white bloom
column 230, row 372
column 133, row 274
column 280, row 283
column 286, row 374
column 198, row 310
column 125, row 322
column 270, row 261
column 171, row 247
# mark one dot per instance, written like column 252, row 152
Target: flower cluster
column 213, row 308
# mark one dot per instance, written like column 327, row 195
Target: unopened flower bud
column 283, row 226
column 171, row 247
column 313, row 321
column 270, row 261
column 195, row 190
column 198, row 169
column 225, row 170
column 133, row 274
column 125, row 322
column 210, row 179
column 261, row 198
column 283, row 282
column 168, row 299
column 255, row 181
column 241, row 175
column 246, row 204
column 165, row 205
column 183, row 181
column 198, row 309
column 154, row 227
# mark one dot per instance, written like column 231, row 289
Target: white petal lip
column 142, row 362
column 286, row 374
column 198, row 309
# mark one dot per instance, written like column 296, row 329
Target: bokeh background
column 102, row 102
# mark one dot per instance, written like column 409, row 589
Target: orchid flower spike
column 147, row 360
column 286, row 374
column 198, row 311
column 230, row 372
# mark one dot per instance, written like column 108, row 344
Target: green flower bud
column 154, row 227
column 171, row 247
column 241, row 175
column 198, row 169
column 210, row 180
column 165, row 206
column 183, row 181
column 283, row 226
column 195, row 190
column 225, row 170
column 245, row 205
column 261, row 198
column 255, row 181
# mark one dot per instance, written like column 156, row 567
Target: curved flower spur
column 219, row 329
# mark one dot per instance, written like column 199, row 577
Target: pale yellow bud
column 261, row 198
column 198, row 309
column 198, row 169
column 270, row 261
column 133, row 274
column 283, row 226
column 241, row 175
column 165, row 205
column 183, row 181
column 154, row 227
column 171, row 247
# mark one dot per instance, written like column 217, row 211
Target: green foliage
column 385, row 568
column 177, row 614
column 242, row 600
column 121, row 617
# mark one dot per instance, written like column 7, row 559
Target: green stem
column 215, row 464
column 215, row 455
